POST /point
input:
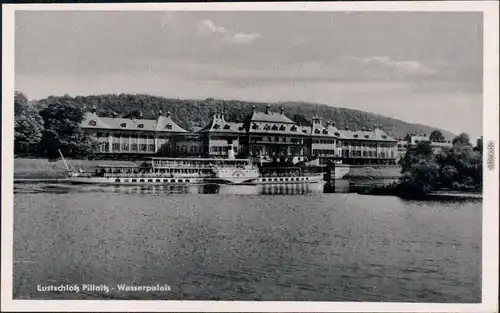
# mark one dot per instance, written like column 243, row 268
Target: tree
column 133, row 114
column 420, row 171
column 462, row 139
column 20, row 102
column 436, row 136
column 479, row 144
column 28, row 125
column 62, row 118
column 301, row 120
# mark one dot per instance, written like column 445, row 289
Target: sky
column 422, row 67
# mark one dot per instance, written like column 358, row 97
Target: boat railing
column 291, row 174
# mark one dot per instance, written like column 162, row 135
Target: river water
column 242, row 243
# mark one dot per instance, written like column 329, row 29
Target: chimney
column 222, row 115
column 115, row 114
column 327, row 124
column 160, row 113
column 140, row 114
column 94, row 109
column 253, row 108
column 282, row 110
column 268, row 109
column 168, row 114
column 346, row 127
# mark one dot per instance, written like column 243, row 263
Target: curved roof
column 162, row 124
column 270, row 117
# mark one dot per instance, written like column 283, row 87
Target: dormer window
column 282, row 127
column 355, row 135
column 226, row 126
column 140, row 125
column 123, row 124
column 255, row 126
column 267, row 127
column 93, row 123
column 168, row 126
column 384, row 137
column 336, row 134
column 325, row 131
column 275, row 127
column 367, row 136
column 216, row 126
column 304, row 131
column 316, row 131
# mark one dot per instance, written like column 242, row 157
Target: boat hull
column 135, row 181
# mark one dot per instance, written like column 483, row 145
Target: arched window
column 92, row 123
column 123, row 125
column 226, row 126
column 316, row 131
column 325, row 131
column 140, row 125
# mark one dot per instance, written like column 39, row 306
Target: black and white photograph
column 250, row 157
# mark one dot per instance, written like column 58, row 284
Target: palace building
column 128, row 137
column 273, row 135
column 265, row 135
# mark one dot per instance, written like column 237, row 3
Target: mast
column 62, row 157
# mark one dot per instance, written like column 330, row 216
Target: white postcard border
column 490, row 177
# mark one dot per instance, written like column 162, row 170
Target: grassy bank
column 43, row 169
column 374, row 172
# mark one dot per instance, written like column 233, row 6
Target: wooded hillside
column 191, row 113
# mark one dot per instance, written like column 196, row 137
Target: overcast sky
column 419, row 67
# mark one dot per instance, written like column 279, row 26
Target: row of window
column 323, row 152
column 117, row 147
column 347, row 153
column 150, row 180
column 285, row 179
column 116, row 137
column 221, row 149
column 277, row 139
column 325, row 141
column 94, row 123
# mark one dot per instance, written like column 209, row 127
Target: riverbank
column 435, row 195
column 42, row 169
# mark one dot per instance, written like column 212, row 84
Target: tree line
column 42, row 132
column 457, row 168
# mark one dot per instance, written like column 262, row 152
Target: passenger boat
column 190, row 171
column 170, row 171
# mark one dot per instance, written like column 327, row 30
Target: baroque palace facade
column 266, row 135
